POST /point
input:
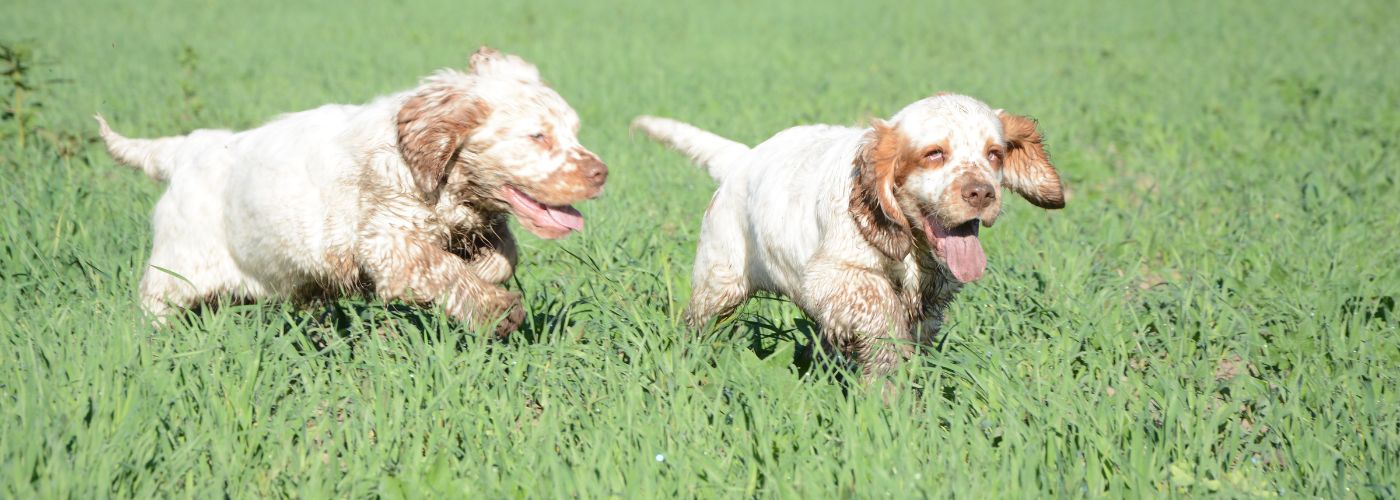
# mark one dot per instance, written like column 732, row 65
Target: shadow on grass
column 326, row 324
column 349, row 317
column 766, row 336
column 811, row 359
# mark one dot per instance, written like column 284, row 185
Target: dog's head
column 499, row 137
column 937, row 168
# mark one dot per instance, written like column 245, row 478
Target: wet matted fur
column 405, row 197
column 871, row 232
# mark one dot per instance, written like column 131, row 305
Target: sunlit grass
column 1214, row 312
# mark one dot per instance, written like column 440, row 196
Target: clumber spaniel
column 405, row 197
column 871, row 232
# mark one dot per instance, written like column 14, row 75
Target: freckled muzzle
column 581, row 178
column 547, row 211
column 952, row 227
column 591, row 172
column 970, row 197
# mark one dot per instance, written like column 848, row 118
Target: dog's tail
column 153, row 156
column 716, row 154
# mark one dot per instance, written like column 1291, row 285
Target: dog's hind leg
column 718, row 290
column 190, row 262
column 721, row 281
column 164, row 289
column 182, row 278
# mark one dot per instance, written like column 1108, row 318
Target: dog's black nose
column 978, row 194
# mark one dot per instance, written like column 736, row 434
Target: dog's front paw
column 507, row 307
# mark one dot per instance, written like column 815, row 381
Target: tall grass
column 1214, row 312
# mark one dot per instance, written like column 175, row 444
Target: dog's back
column 792, row 201
column 287, row 175
column 302, row 172
column 775, row 202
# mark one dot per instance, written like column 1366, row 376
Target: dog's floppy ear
column 1026, row 168
column 873, row 205
column 433, row 126
column 491, row 62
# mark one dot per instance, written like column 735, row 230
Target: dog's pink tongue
column 545, row 221
column 566, row 216
column 960, row 249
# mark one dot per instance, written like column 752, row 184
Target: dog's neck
column 467, row 203
column 937, row 286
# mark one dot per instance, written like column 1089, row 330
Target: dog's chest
column 926, row 289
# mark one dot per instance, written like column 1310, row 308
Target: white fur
column 781, row 221
column 322, row 201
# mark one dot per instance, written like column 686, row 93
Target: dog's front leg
column 860, row 315
column 491, row 254
column 405, row 268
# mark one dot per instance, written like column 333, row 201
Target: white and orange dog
column 871, row 231
column 405, row 197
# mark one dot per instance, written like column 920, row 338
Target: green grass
column 1214, row 312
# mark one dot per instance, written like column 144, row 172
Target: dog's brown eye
column 935, row 155
column 538, row 136
column 994, row 156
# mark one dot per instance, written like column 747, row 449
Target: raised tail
column 153, row 156
column 716, row 154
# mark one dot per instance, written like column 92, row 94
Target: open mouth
column 959, row 248
column 548, row 222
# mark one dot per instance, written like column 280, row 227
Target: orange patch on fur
column 890, row 167
column 873, row 206
column 432, row 127
column 1026, row 168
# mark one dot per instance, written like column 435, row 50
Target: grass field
column 1214, row 312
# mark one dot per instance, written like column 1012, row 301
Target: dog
column 406, row 197
column 871, row 232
